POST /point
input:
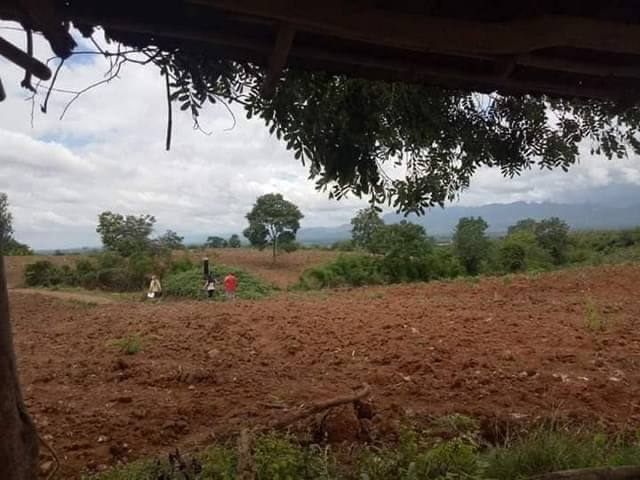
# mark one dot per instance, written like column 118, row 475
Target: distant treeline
column 382, row 253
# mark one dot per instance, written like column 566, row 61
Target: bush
column 343, row 246
column 189, row 283
column 108, row 271
column 43, row 273
column 360, row 269
column 346, row 270
column 182, row 264
column 520, row 252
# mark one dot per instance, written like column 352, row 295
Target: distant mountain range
column 440, row 222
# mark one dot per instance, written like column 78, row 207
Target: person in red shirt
column 230, row 285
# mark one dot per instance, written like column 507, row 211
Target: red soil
column 517, row 346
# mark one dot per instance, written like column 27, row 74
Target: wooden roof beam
column 24, row 60
column 278, row 58
column 430, row 34
column 221, row 38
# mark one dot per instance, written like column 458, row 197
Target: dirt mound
column 514, row 347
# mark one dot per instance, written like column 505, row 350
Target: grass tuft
column 129, row 344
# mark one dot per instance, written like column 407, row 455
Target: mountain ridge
column 441, row 222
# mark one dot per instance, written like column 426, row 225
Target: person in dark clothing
column 210, row 285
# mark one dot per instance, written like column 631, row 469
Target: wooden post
column 18, row 437
column 205, row 267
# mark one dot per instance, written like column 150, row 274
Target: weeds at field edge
column 461, row 454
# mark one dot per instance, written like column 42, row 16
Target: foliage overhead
column 125, row 234
column 363, row 225
column 351, row 132
column 471, row 243
column 273, row 221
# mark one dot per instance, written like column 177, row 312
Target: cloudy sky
column 107, row 153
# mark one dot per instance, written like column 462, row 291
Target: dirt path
column 86, row 297
column 515, row 347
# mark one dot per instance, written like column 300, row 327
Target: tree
column 526, row 224
column 471, row 244
column 170, row 240
column 215, row 242
column 13, row 247
column 348, row 130
column 273, row 221
column 520, row 251
column 125, row 234
column 6, row 223
column 404, row 239
column 363, row 225
column 552, row 234
column 234, row 241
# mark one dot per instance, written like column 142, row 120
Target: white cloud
column 108, row 153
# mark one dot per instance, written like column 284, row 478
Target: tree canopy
column 215, row 242
column 471, row 243
column 170, row 240
column 125, row 234
column 411, row 146
column 363, row 225
column 234, row 241
column 8, row 244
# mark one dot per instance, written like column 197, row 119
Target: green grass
column 594, row 319
column 416, row 455
column 189, row 284
column 129, row 344
column 552, row 448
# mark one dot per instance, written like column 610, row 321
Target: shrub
column 116, row 279
column 343, row 246
column 182, row 264
column 346, row 270
column 362, row 269
column 277, row 458
column 189, row 283
column 43, row 273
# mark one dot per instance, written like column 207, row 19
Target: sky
column 108, row 153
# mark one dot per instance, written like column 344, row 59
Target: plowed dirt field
column 515, row 346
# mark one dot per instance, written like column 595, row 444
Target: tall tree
column 363, row 225
column 125, row 234
column 273, row 221
column 170, row 240
column 471, row 243
column 6, row 223
column 234, row 241
column 552, row 234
